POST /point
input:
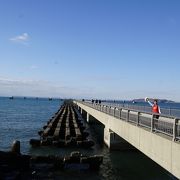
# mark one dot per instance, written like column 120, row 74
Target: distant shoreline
column 159, row 100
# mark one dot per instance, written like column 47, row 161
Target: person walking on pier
column 155, row 107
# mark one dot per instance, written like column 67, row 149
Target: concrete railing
column 165, row 124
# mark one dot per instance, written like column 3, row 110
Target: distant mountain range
column 159, row 100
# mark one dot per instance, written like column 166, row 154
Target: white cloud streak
column 38, row 88
column 23, row 38
column 33, row 67
column 41, row 88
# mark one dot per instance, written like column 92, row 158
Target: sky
column 104, row 49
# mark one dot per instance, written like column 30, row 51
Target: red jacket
column 155, row 109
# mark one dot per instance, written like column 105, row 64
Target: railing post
column 152, row 123
column 120, row 113
column 137, row 123
column 114, row 111
column 91, row 105
column 127, row 118
column 175, row 129
column 109, row 110
column 170, row 111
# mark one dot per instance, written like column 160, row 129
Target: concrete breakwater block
column 62, row 143
column 18, row 166
column 15, row 147
column 65, row 128
column 12, row 160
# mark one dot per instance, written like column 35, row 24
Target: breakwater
column 65, row 128
column 14, row 165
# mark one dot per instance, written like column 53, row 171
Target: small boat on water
column 11, row 97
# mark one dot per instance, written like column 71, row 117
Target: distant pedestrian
column 155, row 107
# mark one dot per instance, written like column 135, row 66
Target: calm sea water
column 21, row 119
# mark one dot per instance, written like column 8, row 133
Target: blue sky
column 109, row 49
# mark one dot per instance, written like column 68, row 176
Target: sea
column 22, row 118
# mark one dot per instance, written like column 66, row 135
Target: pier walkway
column 159, row 139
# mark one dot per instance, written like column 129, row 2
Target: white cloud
column 42, row 88
column 39, row 88
column 18, row 82
column 33, row 67
column 23, row 38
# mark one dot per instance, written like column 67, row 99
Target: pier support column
column 87, row 117
column 90, row 119
column 78, row 108
column 81, row 110
column 115, row 142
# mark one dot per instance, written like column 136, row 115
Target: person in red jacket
column 155, row 107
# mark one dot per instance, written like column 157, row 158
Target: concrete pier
column 115, row 142
column 159, row 139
